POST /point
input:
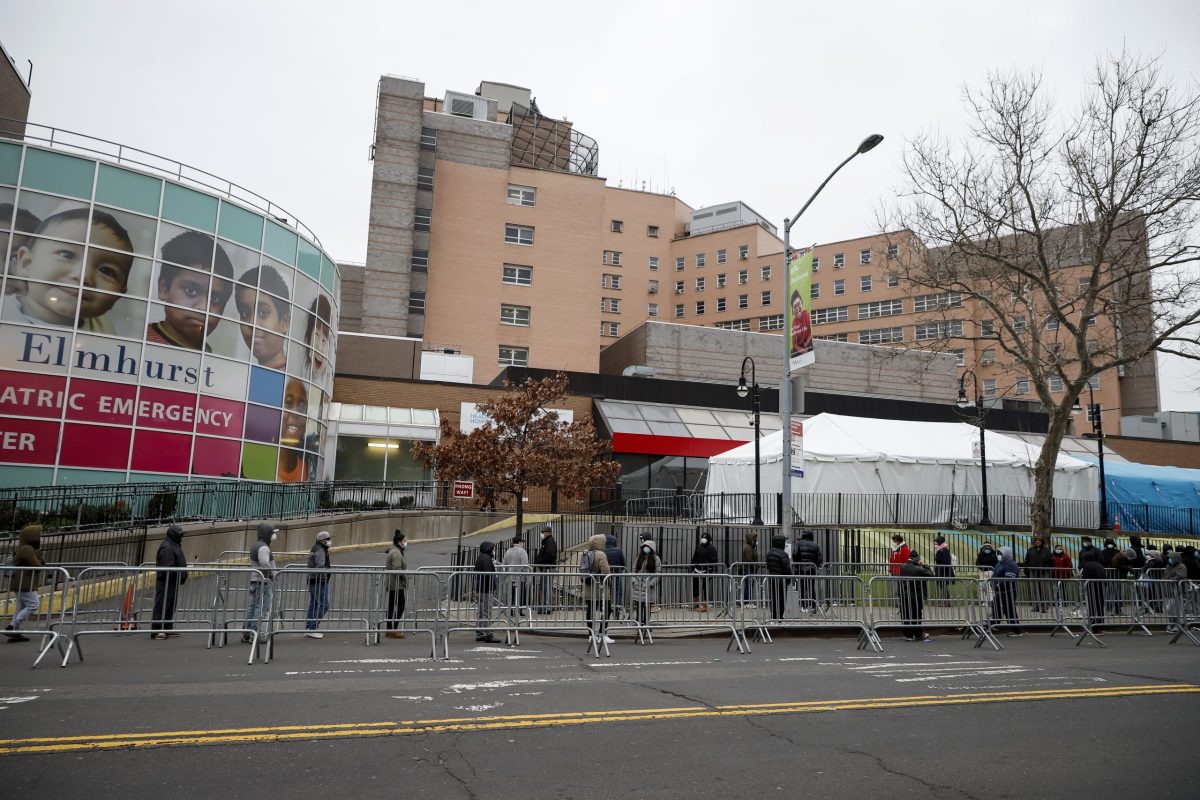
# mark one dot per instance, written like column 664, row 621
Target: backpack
column 585, row 566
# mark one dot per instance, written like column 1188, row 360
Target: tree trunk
column 1041, row 516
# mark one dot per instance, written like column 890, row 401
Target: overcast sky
column 751, row 101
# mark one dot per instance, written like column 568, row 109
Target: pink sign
column 155, row 451
column 101, row 401
column 24, row 441
column 217, row 457
column 98, row 446
column 162, row 408
column 30, row 395
column 220, row 417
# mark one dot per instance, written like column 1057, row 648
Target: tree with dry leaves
column 1060, row 249
column 524, row 443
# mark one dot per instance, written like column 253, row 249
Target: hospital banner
column 799, row 310
column 797, row 449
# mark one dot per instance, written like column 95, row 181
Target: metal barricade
column 665, row 601
column 905, row 603
column 34, row 601
column 1138, row 605
column 1040, row 603
column 821, row 601
column 158, row 602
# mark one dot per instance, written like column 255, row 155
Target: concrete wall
column 1154, row 451
column 378, row 356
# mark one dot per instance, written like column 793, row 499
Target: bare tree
column 1068, row 246
column 523, row 444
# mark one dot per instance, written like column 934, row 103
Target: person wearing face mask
column 1108, row 552
column 516, row 560
column 397, row 584
column 545, row 561
column 987, row 557
column 704, row 561
column 899, row 556
column 645, row 587
column 1061, row 566
column 1004, row 584
column 1174, row 576
column 1091, row 571
column 318, row 585
column 258, row 606
column 778, row 564
column 806, row 560
column 1038, row 564
column 167, row 583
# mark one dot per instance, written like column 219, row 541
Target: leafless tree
column 1066, row 244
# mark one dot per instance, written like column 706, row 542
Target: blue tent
column 1151, row 498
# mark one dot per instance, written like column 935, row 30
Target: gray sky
column 752, row 100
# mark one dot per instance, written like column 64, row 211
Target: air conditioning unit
column 466, row 105
column 679, row 291
column 743, row 257
column 653, row 290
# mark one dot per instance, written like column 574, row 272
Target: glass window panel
column 357, row 461
column 619, row 411
column 707, row 431
column 697, row 416
column 280, row 243
column 375, row 413
column 659, row 413
column 128, row 190
column 240, row 225
column 259, row 462
column 400, row 416
column 189, row 207
column 309, row 260
column 10, row 165
column 669, row 428
column 424, row 416
column 137, row 234
column 351, row 411
column 628, row 426
column 34, row 209
column 58, row 173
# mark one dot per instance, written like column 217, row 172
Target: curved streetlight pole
column 963, row 403
column 742, row 391
column 785, row 383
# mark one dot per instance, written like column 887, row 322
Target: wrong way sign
column 464, row 490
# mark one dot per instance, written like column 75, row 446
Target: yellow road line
column 285, row 733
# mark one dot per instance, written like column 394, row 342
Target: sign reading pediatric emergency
column 799, row 311
column 470, row 417
column 797, row 449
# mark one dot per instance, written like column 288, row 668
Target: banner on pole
column 797, row 449
column 799, row 310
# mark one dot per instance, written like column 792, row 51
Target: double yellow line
column 285, row 733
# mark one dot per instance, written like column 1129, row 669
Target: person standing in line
column 1038, row 563
column 749, row 559
column 516, row 559
column 943, row 564
column 616, row 562
column 900, row 553
column 318, row 585
column 485, row 590
column 1139, row 553
column 258, row 607
column 704, row 561
column 593, row 566
column 645, row 583
column 546, row 562
column 806, row 561
column 1085, row 543
column 166, row 584
column 397, row 585
column 1174, row 579
column 912, row 597
column 779, row 567
column 1061, row 569
column 24, row 584
column 1108, row 553
column 1004, row 583
column 1091, row 571
column 986, row 559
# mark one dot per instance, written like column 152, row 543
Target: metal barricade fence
column 867, row 570
column 1039, row 603
column 821, row 601
column 158, row 602
column 34, row 601
column 664, row 600
column 1139, row 605
column 904, row 602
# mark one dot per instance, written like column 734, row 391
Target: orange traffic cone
column 127, row 622
column 1116, row 522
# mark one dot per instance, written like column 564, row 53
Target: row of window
column 771, row 323
column 864, row 257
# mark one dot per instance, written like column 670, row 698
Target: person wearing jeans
column 258, row 606
column 25, row 583
column 318, row 585
column 396, row 584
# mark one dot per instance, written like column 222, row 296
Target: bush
column 162, row 505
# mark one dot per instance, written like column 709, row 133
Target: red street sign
column 464, row 490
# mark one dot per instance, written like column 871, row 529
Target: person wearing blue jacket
column 1004, row 586
column 616, row 562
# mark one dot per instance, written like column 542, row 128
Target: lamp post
column 785, row 384
column 1093, row 411
column 964, row 403
column 742, row 391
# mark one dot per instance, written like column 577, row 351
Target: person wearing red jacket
column 1060, row 564
column 899, row 555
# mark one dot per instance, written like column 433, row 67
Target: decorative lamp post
column 752, row 390
column 964, row 403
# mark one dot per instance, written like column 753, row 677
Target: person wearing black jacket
column 987, row 558
column 778, row 564
column 806, row 560
column 704, row 561
column 1139, row 553
column 545, row 560
column 616, row 562
column 166, row 583
column 1191, row 562
column 1091, row 571
column 1108, row 553
column 912, row 597
column 1039, row 562
column 485, row 589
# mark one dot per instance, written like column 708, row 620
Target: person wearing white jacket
column 645, row 583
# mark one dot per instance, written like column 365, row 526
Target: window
column 720, row 256
column 617, row 226
column 652, row 231
column 764, row 298
column 743, row 276
column 654, row 263
column 522, row 195
column 609, row 328
column 653, row 287
column 893, row 252
column 514, row 356
column 765, row 273
column 839, row 260
column 699, row 284
column 608, row 281
column 425, row 178
column 1052, row 323
column 428, row 139
column 960, row 356
column 823, row 316
column 518, row 275
column 610, row 305
column 678, row 287
column 816, row 264
column 699, row 308
column 699, row 259
column 933, row 302
column 881, row 336
column 989, row 387
column 864, row 256
column 678, row 310
column 420, row 261
column 612, row 257
column 735, row 325
column 416, row 302
column 720, row 304
column 743, row 251
column 652, row 310
column 1022, row 386
column 893, row 280
column 515, row 315
column 987, row 327
column 743, row 301
column 1018, row 323
column 864, row 283
column 518, row 234
column 1091, row 321
column 988, row 357
column 422, row 219
column 839, row 287
column 720, row 280
column 834, row 337
column 881, row 308
column 1056, row 383
column 679, row 264
column 943, row 329
column 816, row 291
column 1094, row 381
column 1083, row 284
column 772, row 323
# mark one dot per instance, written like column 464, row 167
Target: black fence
column 112, row 546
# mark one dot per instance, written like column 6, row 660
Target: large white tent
column 865, row 456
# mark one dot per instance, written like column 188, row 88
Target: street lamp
column 1093, row 411
column 785, row 385
column 742, row 391
column 964, row 403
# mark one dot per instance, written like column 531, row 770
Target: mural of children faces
column 195, row 298
column 24, row 221
column 292, row 467
column 264, row 318
column 318, row 336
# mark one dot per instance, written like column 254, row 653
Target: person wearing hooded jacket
column 258, row 606
column 704, row 562
column 1091, row 571
column 749, row 559
column 943, row 564
column 987, row 559
column 318, row 585
column 1108, row 552
column 397, row 585
column 593, row 565
column 1004, row 584
column 806, row 561
column 912, row 597
column 166, row 583
column 1139, row 552
column 778, row 564
column 1039, row 560
column 25, row 584
column 616, row 562
column 545, row 561
column 899, row 554
column 485, row 590
column 1174, row 576
column 644, row 587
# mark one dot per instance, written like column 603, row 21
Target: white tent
column 865, row 456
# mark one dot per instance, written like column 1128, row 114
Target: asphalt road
column 805, row 716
